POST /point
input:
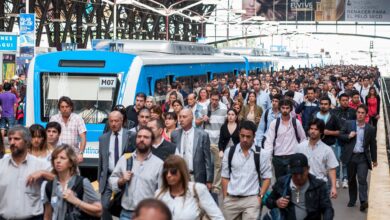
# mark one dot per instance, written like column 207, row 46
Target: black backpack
column 256, row 156
column 265, row 127
column 78, row 188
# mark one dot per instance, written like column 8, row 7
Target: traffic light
column 371, row 45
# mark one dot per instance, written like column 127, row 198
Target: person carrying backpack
column 69, row 196
column 246, row 176
column 282, row 137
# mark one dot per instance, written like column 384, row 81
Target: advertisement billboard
column 317, row 10
column 363, row 10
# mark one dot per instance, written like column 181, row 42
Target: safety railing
column 385, row 84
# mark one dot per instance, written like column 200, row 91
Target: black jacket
column 344, row 114
column 369, row 143
column 225, row 136
column 317, row 200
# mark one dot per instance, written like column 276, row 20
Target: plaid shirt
column 70, row 132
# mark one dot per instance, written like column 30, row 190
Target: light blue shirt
column 260, row 130
column 263, row 100
column 359, row 139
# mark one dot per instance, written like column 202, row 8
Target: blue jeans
column 7, row 122
column 337, row 151
column 126, row 215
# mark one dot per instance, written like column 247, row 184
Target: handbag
column 203, row 215
column 115, row 206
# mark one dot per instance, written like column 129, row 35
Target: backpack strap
column 230, row 158
column 129, row 166
column 276, row 131
column 257, row 161
column 266, row 120
column 78, row 187
column 294, row 122
column 49, row 190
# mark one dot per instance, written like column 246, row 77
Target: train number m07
column 107, row 82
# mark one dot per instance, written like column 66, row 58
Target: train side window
column 160, row 90
column 189, row 84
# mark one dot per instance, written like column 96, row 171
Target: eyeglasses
column 173, row 171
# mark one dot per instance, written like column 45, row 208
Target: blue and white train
column 101, row 79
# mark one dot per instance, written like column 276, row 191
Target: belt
column 237, row 196
column 283, row 156
column 358, row 153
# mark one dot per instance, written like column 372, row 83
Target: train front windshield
column 93, row 95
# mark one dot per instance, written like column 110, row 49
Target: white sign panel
column 364, row 10
column 107, row 82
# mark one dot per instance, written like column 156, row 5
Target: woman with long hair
column 229, row 133
column 186, row 200
column 251, row 111
column 203, row 98
column 226, row 99
column 39, row 147
column 170, row 123
column 167, row 107
column 69, row 195
column 373, row 102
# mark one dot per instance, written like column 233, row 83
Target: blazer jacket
column 128, row 145
column 203, row 167
column 369, row 142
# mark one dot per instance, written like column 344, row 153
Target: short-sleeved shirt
column 18, row 201
column 70, row 131
column 7, row 101
column 59, row 205
column 321, row 158
column 243, row 178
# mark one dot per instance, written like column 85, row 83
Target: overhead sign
column 27, row 23
column 8, row 42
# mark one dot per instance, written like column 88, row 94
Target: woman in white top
column 186, row 200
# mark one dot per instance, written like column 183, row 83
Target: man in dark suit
column 111, row 147
column 161, row 147
column 193, row 145
column 359, row 153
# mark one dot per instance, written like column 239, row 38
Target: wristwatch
column 260, row 195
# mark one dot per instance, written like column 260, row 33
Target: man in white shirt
column 322, row 160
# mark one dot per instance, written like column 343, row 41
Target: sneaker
column 337, row 184
column 345, row 184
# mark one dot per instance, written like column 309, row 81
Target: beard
column 16, row 152
column 143, row 148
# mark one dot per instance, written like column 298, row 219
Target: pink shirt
column 286, row 141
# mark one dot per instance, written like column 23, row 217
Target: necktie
column 116, row 147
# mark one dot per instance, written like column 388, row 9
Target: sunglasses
column 173, row 171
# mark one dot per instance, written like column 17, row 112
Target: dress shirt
column 260, row 130
column 18, row 201
column 187, row 147
column 321, row 158
column 244, row 180
column 111, row 157
column 359, row 139
column 263, row 99
column 286, row 141
column 145, row 181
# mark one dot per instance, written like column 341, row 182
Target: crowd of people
column 208, row 151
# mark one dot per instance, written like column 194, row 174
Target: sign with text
column 27, row 23
column 27, row 35
column 363, row 10
column 107, row 82
column 8, row 42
